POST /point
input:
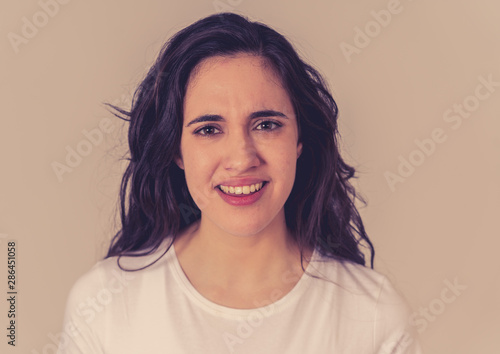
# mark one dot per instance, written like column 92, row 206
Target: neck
column 211, row 257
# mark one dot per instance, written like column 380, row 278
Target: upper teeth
column 241, row 189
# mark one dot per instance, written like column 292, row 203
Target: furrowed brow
column 267, row 113
column 206, row 118
column 254, row 115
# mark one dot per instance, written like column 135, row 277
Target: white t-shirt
column 157, row 310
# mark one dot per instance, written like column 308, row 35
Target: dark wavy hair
column 154, row 199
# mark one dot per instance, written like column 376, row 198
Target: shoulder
column 357, row 282
column 349, row 276
column 116, row 277
column 366, row 296
column 108, row 295
column 104, row 276
column 364, row 292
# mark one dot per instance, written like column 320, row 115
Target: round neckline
column 235, row 313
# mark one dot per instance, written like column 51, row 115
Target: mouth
column 243, row 190
column 242, row 195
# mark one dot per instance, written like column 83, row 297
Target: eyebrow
column 254, row 115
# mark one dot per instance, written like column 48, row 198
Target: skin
column 237, row 256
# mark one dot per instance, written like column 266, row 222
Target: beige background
column 439, row 224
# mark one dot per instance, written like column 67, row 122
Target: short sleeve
column 393, row 327
column 80, row 325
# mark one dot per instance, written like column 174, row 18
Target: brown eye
column 207, row 130
column 268, row 125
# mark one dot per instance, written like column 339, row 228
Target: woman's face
column 239, row 134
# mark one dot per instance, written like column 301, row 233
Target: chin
column 244, row 229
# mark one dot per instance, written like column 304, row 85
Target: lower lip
column 242, row 199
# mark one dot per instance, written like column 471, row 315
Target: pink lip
column 242, row 199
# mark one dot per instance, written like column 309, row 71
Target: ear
column 299, row 149
column 178, row 161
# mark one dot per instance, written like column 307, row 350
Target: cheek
column 199, row 166
column 285, row 162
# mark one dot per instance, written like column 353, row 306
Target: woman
column 239, row 230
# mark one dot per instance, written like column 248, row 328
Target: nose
column 240, row 152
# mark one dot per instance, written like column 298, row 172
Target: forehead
column 238, row 79
column 244, row 63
